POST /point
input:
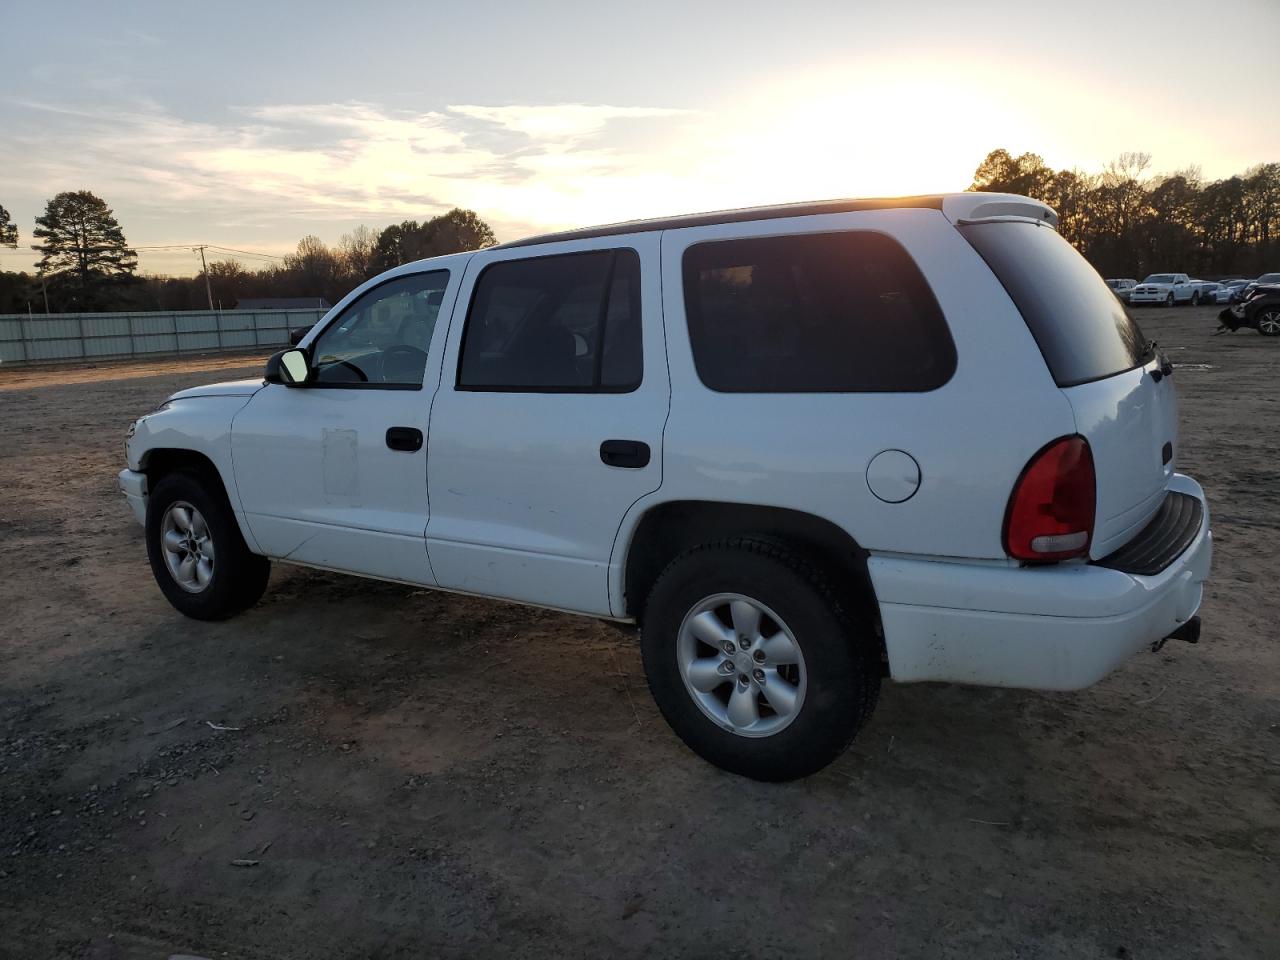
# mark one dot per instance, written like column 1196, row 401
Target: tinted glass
column 819, row 313
column 382, row 338
column 1083, row 331
column 562, row 323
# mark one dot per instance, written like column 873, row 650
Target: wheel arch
column 667, row 529
column 159, row 462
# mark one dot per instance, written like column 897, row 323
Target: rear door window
column 1082, row 330
column 567, row 323
column 815, row 313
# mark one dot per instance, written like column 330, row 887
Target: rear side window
column 559, row 324
column 1083, row 331
column 818, row 313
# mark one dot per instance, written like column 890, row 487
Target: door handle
column 625, row 453
column 408, row 439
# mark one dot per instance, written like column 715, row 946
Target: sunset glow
column 303, row 145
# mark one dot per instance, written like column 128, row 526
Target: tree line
column 1129, row 222
column 86, row 264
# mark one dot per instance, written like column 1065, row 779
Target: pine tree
column 8, row 230
column 84, row 251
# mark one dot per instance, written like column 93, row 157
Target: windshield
column 1269, row 278
column 1082, row 329
column 1159, row 278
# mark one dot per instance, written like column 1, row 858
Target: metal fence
column 102, row 336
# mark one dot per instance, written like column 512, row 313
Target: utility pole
column 44, row 288
column 204, row 266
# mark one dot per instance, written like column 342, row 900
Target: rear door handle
column 625, row 453
column 408, row 439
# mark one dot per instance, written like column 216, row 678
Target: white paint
column 509, row 497
column 521, row 505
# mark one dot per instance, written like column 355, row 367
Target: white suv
column 802, row 447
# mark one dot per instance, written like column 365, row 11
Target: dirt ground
column 416, row 774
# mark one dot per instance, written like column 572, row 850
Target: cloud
column 267, row 166
column 561, row 122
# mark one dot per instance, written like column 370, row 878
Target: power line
column 247, row 253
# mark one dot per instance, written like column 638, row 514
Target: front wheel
column 754, row 662
column 198, row 556
column 1269, row 321
column 1168, row 301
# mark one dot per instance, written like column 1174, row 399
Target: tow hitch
column 1189, row 631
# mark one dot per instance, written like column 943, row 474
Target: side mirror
column 289, row 367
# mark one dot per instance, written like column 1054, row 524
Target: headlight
column 133, row 427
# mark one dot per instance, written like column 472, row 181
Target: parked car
column 1261, row 311
column 803, row 448
column 1230, row 291
column 1207, row 292
column 1266, row 278
column 1121, row 288
column 1164, row 289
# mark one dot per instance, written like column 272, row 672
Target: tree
column 315, row 269
column 359, row 251
column 84, row 251
column 457, row 231
column 1001, row 172
column 452, row 232
column 8, row 230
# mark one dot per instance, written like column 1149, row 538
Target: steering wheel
column 403, row 357
column 363, row 377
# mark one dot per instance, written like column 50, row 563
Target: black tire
column 841, row 657
column 1168, row 301
column 1268, row 321
column 239, row 576
column 1195, row 299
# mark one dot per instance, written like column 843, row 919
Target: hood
column 230, row 388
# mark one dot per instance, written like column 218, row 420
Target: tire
column 1195, row 299
column 834, row 679
column 236, row 578
column 1168, row 301
column 1268, row 321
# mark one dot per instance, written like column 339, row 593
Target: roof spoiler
column 974, row 207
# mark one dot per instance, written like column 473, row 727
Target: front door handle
column 625, row 453
column 408, row 439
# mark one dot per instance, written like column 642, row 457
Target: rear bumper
column 134, row 487
column 1060, row 627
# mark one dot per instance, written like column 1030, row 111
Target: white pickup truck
column 802, row 447
column 1165, row 289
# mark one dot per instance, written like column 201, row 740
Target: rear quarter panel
column 810, row 452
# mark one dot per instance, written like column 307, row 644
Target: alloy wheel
column 741, row 665
column 187, row 546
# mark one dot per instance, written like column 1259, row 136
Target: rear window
column 1082, row 329
column 817, row 313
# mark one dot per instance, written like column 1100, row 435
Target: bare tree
column 359, row 252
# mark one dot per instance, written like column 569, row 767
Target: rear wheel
column 1195, row 299
column 1269, row 321
column 754, row 662
column 199, row 559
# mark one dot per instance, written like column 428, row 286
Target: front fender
column 200, row 425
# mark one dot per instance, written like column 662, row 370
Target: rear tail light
column 1051, row 509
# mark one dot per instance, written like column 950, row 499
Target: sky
column 250, row 125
